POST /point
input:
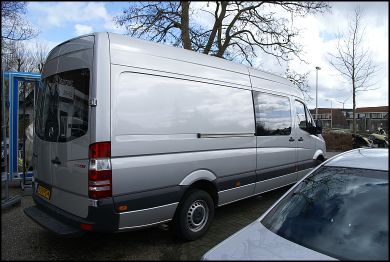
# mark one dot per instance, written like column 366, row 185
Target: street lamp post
column 340, row 103
column 331, row 111
column 343, row 102
column 317, row 68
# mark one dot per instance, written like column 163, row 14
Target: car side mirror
column 318, row 127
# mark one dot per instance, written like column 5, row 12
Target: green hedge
column 337, row 141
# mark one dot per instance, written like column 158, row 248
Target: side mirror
column 318, row 127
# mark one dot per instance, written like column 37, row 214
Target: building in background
column 367, row 118
column 370, row 118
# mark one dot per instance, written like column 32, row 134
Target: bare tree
column 300, row 81
column 353, row 60
column 40, row 53
column 20, row 58
column 239, row 28
column 14, row 26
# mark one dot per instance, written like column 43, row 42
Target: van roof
column 180, row 54
column 189, row 56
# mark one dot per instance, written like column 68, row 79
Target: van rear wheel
column 194, row 215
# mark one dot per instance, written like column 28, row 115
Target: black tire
column 194, row 215
column 319, row 160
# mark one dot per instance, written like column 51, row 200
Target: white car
column 340, row 210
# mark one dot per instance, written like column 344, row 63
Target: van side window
column 304, row 119
column 273, row 116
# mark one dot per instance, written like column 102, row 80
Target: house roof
column 375, row 109
column 324, row 110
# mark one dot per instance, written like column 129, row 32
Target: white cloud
column 201, row 17
column 60, row 13
column 82, row 29
column 110, row 26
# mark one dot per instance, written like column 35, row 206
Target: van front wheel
column 194, row 215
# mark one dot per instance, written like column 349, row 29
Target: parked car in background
column 379, row 140
column 338, row 211
column 361, row 141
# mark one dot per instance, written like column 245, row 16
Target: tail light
column 99, row 171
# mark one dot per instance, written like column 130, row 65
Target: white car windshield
column 340, row 212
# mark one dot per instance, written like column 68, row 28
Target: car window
column 273, row 116
column 304, row 119
column 340, row 212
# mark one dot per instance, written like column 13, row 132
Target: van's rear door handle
column 291, row 139
column 56, row 161
column 300, row 139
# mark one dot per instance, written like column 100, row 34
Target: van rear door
column 62, row 129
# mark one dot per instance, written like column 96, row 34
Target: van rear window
column 62, row 106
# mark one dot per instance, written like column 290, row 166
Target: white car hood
column 256, row 242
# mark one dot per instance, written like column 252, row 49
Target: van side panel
column 165, row 128
column 142, row 173
column 155, row 114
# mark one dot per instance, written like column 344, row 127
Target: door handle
column 291, row 139
column 56, row 161
column 300, row 139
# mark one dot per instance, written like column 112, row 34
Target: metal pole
column 4, row 138
column 331, row 114
column 7, row 201
column 317, row 68
column 24, row 135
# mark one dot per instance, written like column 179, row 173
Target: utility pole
column 317, row 68
column 331, row 111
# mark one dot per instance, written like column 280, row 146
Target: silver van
column 131, row 134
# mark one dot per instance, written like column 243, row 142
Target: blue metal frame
column 14, row 79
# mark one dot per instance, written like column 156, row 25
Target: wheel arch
column 201, row 179
column 319, row 155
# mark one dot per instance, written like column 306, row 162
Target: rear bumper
column 51, row 223
column 62, row 223
column 145, row 209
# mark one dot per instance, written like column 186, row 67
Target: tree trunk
column 185, row 31
column 354, row 108
column 217, row 25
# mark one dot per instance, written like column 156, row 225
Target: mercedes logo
column 51, row 131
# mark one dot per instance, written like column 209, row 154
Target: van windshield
column 62, row 106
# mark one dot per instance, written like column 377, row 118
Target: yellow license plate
column 43, row 191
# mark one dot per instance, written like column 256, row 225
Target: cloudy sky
column 59, row 21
